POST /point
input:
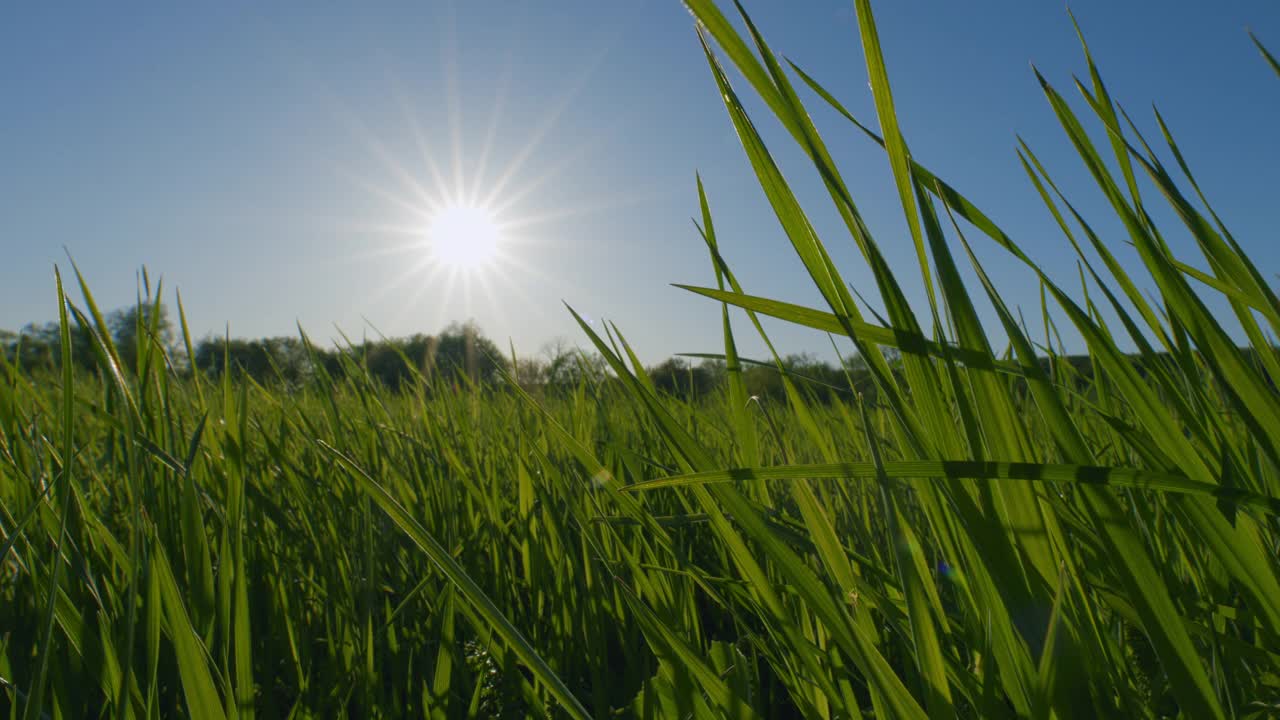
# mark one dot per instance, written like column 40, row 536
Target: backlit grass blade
column 733, row 367
column 924, row 428
column 1174, row 645
column 1106, row 111
column 850, row 638
column 674, row 650
column 198, row 684
column 458, row 576
column 774, row 87
column 924, row 608
column 33, row 708
column 908, row 342
column 153, row 625
column 1266, row 54
column 920, row 470
column 1161, row 424
column 1245, row 389
column 895, row 145
column 190, row 349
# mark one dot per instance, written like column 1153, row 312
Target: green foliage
column 459, row 353
column 416, row 527
column 140, row 320
column 283, row 359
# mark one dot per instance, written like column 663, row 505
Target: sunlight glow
column 464, row 237
column 461, row 230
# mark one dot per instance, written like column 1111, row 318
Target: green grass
column 986, row 538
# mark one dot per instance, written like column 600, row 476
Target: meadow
column 975, row 528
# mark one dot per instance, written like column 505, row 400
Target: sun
column 464, row 237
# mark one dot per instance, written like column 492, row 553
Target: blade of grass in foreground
column 976, row 469
column 1271, row 59
column 923, row 420
column 772, row 84
column 198, row 685
column 924, row 608
column 881, row 678
column 667, row 645
column 910, row 343
column 35, row 698
column 470, row 590
column 733, row 366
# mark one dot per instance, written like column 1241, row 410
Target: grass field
column 989, row 536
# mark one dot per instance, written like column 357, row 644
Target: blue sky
column 271, row 160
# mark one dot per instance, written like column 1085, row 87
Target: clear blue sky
column 266, row 157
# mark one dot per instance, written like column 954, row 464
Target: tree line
column 460, row 351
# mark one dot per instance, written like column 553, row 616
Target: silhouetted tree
column 280, row 358
column 128, row 324
column 40, row 346
column 680, row 377
column 395, row 362
column 462, row 350
column 530, row 372
column 567, row 366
